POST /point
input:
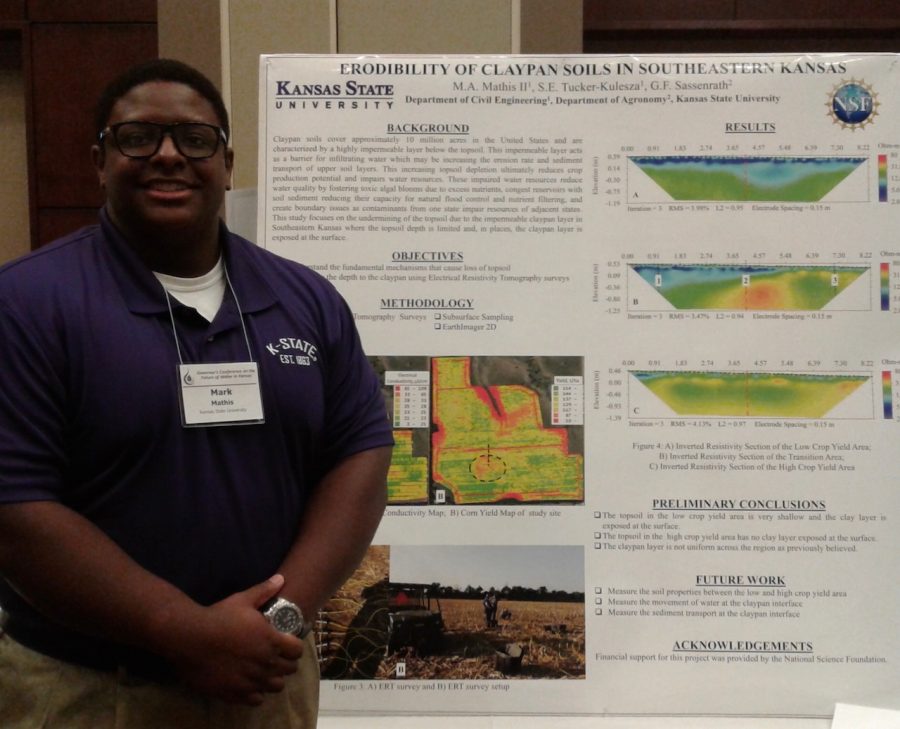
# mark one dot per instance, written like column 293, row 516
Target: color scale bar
column 885, row 286
column 887, row 395
column 882, row 178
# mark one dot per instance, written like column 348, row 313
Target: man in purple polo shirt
column 193, row 447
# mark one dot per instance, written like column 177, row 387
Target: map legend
column 410, row 398
column 568, row 401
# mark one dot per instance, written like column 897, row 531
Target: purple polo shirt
column 90, row 414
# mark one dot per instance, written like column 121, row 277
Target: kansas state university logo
column 291, row 350
column 853, row 104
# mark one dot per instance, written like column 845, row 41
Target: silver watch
column 286, row 617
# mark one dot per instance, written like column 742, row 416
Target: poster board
column 636, row 324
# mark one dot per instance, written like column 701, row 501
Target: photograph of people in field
column 458, row 612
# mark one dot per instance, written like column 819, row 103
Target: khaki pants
column 38, row 692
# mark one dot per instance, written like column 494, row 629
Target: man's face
column 166, row 193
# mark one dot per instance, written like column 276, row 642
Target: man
column 489, row 602
column 188, row 430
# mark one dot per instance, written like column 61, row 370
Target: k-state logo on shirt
column 290, row 350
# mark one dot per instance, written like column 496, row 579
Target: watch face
column 287, row 619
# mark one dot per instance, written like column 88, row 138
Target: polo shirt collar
column 142, row 292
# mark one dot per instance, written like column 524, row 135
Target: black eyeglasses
column 142, row 140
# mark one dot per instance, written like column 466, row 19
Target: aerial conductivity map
column 484, row 429
column 408, row 473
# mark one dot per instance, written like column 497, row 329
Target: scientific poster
column 636, row 320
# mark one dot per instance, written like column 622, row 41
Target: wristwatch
column 286, row 617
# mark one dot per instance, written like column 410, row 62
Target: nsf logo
column 853, row 104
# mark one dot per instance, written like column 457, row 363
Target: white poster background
column 863, row 717
column 737, row 560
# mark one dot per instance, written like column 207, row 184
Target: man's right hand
column 76, row 575
column 230, row 651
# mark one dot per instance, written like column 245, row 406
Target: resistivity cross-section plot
column 747, row 287
column 747, row 179
column 492, row 441
column 748, row 395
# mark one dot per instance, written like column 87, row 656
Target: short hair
column 160, row 69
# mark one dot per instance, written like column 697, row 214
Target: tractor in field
column 414, row 619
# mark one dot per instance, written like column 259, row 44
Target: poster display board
column 636, row 322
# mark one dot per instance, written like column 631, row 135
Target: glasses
column 142, row 140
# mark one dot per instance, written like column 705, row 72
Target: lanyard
column 222, row 393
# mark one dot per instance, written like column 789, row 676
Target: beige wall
column 460, row 26
column 254, row 28
column 224, row 38
column 234, row 34
column 227, row 45
column 14, row 225
column 552, row 26
column 191, row 32
column 424, row 26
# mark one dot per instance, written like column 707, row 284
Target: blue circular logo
column 853, row 104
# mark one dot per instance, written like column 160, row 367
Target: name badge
column 226, row 393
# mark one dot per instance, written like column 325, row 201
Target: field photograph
column 461, row 613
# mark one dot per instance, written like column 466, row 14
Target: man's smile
column 168, row 185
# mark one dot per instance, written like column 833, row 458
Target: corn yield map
column 490, row 443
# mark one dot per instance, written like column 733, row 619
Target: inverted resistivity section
column 759, row 288
column 748, row 179
column 747, row 394
column 489, row 444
